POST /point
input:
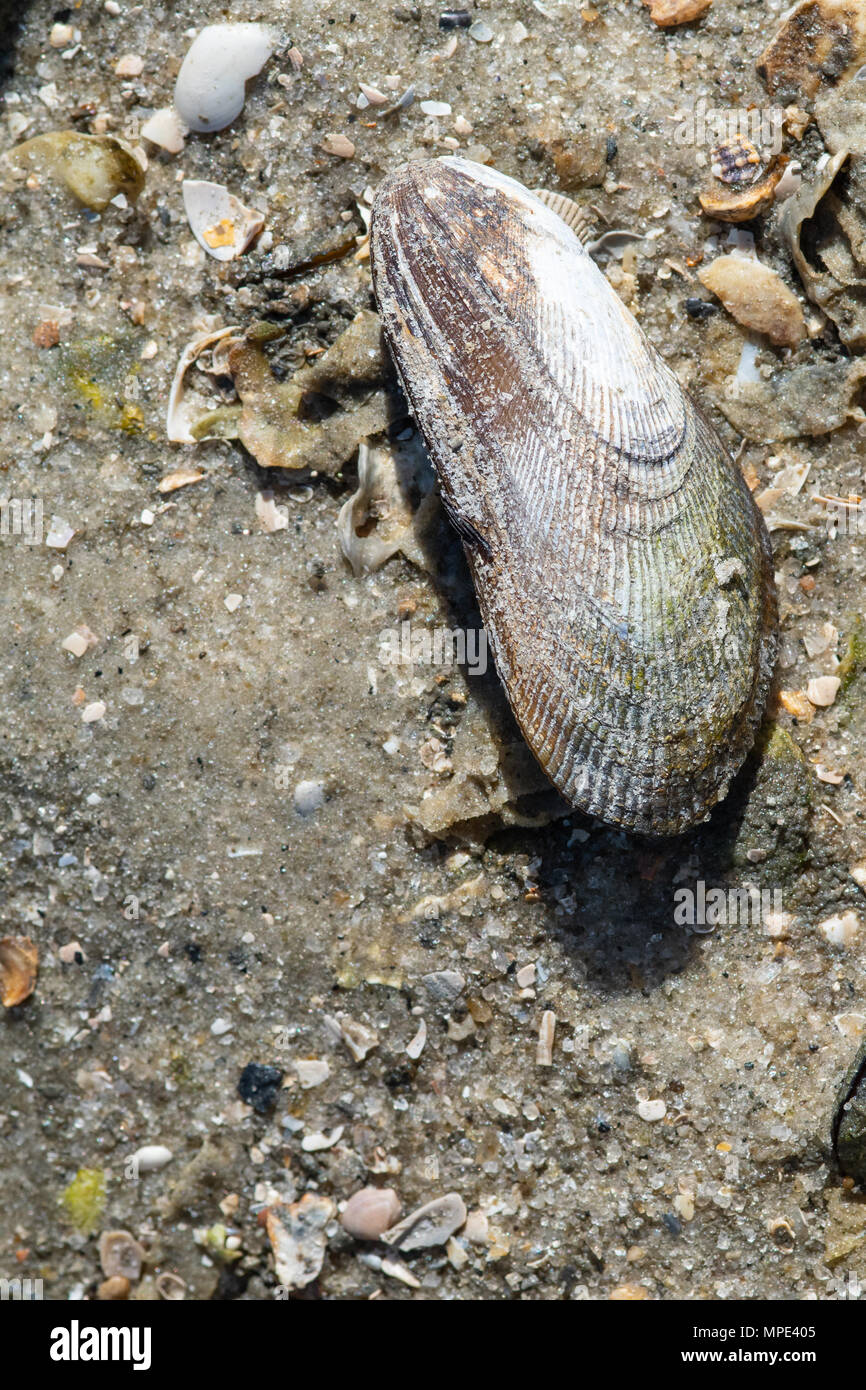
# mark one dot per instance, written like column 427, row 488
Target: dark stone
column 258, row 1086
column 455, row 19
column 700, row 308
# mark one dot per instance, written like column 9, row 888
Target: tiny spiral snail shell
column 624, row 575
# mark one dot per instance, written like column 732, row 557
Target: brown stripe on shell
column 623, row 572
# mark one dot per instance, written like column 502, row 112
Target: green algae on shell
column 623, row 572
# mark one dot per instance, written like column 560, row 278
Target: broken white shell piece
column 219, row 221
column 183, row 405
column 210, row 88
column 383, row 497
column 166, row 129
column 60, row 533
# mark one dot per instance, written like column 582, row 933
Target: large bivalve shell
column 623, row 572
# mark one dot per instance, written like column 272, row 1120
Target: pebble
column 76, row 643
column 480, row 32
column 311, row 1072
column 669, row 12
column 129, row 65
column 233, row 602
column 308, row 797
column 93, row 712
column 652, row 1110
column 259, row 1085
column 432, row 1224
column 841, row 930
column 460, row 1029
column 151, row 1158
column 444, row 986
column 373, row 95
column 436, row 108
column 370, row 1212
column 858, row 873
column 455, row 19
column 71, row 953
column 457, row 1255
column 338, row 144
column 476, row 1228
column 684, row 1205
column 822, row 690
column 797, row 705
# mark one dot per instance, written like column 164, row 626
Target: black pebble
column 700, row 308
column 455, row 19
column 258, row 1086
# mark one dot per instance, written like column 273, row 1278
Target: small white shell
column 209, row 92
column 152, row 1157
column 166, row 129
column 219, row 221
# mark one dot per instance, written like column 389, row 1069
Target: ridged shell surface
column 624, row 575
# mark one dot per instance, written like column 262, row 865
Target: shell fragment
column 210, row 89
column 219, row 221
